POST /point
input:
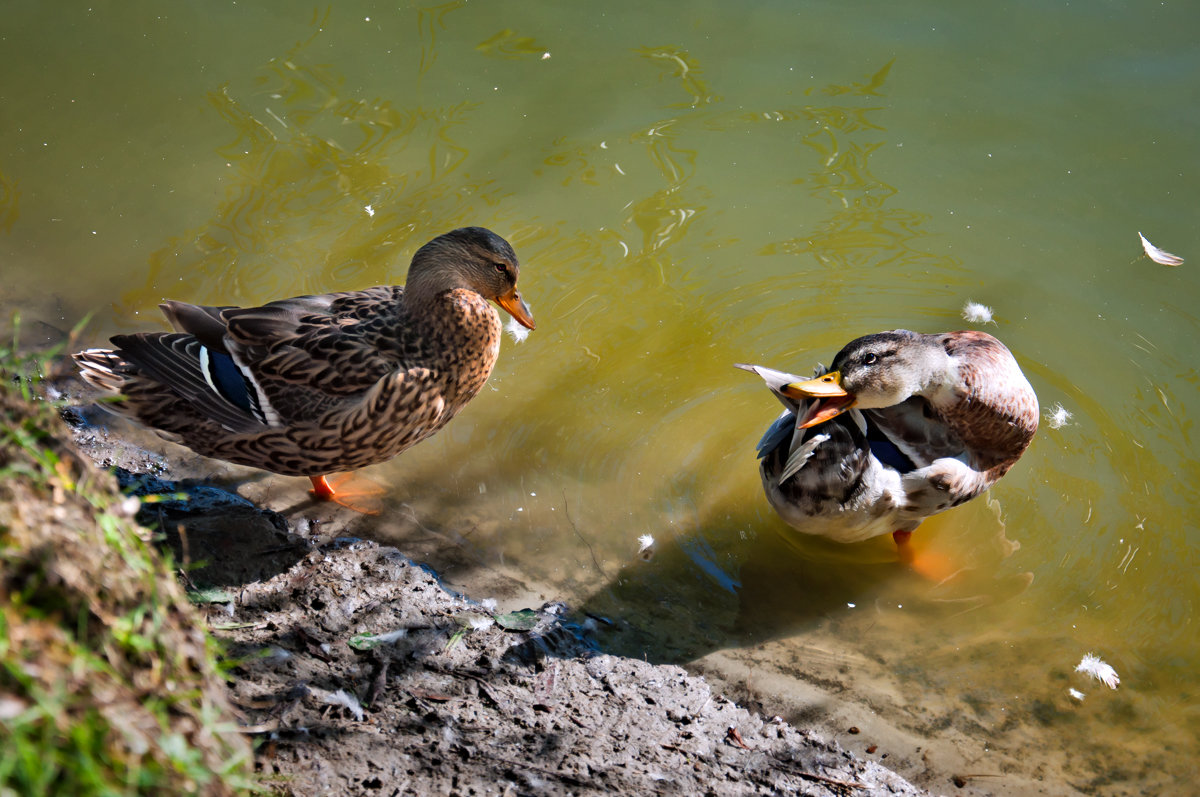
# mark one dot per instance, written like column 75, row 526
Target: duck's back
column 996, row 415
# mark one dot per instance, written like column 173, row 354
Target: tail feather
column 155, row 370
column 103, row 369
column 205, row 323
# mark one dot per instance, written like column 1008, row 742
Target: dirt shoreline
column 360, row 673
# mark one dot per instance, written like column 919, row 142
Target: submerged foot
column 928, row 564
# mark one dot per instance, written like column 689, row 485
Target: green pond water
column 690, row 185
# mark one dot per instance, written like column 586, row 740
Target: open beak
column 832, row 398
column 516, row 307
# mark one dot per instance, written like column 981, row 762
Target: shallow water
column 687, row 190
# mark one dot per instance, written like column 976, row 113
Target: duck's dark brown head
column 473, row 258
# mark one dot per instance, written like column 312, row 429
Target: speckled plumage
column 935, row 421
column 328, row 383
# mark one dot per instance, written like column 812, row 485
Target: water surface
column 686, row 190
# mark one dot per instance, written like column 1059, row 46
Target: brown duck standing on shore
column 903, row 426
column 316, row 385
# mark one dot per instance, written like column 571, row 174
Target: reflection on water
column 315, row 196
column 508, row 44
column 762, row 186
column 680, row 64
column 861, row 233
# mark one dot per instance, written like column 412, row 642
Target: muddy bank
column 364, row 675
column 359, row 673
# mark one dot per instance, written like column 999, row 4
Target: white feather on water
column 1092, row 665
column 976, row 313
column 1159, row 256
column 1058, row 416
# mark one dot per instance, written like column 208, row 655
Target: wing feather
column 173, row 360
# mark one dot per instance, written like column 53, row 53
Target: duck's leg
column 323, row 492
column 346, row 489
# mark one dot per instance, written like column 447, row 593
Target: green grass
column 109, row 684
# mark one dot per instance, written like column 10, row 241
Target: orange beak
column 516, row 307
column 832, row 398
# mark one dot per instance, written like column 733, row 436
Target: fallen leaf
column 733, row 735
column 371, row 641
column 210, row 596
column 426, row 694
column 1158, row 255
column 364, row 641
column 522, row 620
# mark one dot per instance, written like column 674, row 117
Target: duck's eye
column 501, row 267
column 870, row 358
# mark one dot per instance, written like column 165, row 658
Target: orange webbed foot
column 927, row 564
column 356, row 493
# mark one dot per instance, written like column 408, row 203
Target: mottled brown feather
column 347, row 379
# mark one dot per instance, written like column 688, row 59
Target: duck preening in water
column 902, row 426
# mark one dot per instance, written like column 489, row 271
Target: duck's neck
column 931, row 374
column 426, row 284
column 460, row 331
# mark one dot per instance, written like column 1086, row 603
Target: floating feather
column 1158, row 255
column 1058, row 416
column 976, row 313
column 1102, row 672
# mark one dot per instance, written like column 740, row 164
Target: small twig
column 562, row 776
column 186, row 578
column 263, row 727
column 567, row 512
column 845, row 784
column 487, row 692
column 379, row 682
column 961, row 780
column 791, row 769
column 184, row 548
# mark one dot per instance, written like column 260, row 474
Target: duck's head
column 874, row 371
column 473, row 258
